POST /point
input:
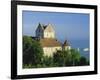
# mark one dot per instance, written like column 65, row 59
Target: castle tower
column 39, row 31
column 45, row 31
column 49, row 32
column 50, row 45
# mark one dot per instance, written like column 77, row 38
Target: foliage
column 67, row 57
column 33, row 56
column 32, row 51
column 83, row 61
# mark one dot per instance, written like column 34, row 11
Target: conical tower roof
column 66, row 43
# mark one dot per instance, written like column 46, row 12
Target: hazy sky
column 71, row 26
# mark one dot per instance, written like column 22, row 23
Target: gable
column 39, row 28
column 49, row 28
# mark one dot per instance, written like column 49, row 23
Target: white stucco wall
column 48, row 51
column 67, row 47
column 49, row 35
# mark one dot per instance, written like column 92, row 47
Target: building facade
column 48, row 41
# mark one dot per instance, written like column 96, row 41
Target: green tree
column 47, row 61
column 75, row 56
column 58, row 58
column 83, row 61
column 67, row 57
column 33, row 56
column 62, row 58
column 32, row 51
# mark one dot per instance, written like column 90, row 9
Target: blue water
column 81, row 44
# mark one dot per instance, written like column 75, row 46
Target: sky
column 70, row 26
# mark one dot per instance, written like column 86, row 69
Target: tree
column 62, row 58
column 33, row 56
column 83, row 61
column 58, row 58
column 32, row 51
column 47, row 61
column 67, row 57
column 75, row 56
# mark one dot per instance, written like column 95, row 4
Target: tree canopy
column 33, row 56
column 32, row 51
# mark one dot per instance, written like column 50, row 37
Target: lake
column 81, row 44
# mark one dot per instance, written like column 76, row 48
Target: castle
column 48, row 41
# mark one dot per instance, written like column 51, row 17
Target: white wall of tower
column 49, row 34
column 49, row 51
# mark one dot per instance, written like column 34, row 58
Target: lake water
column 81, row 44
